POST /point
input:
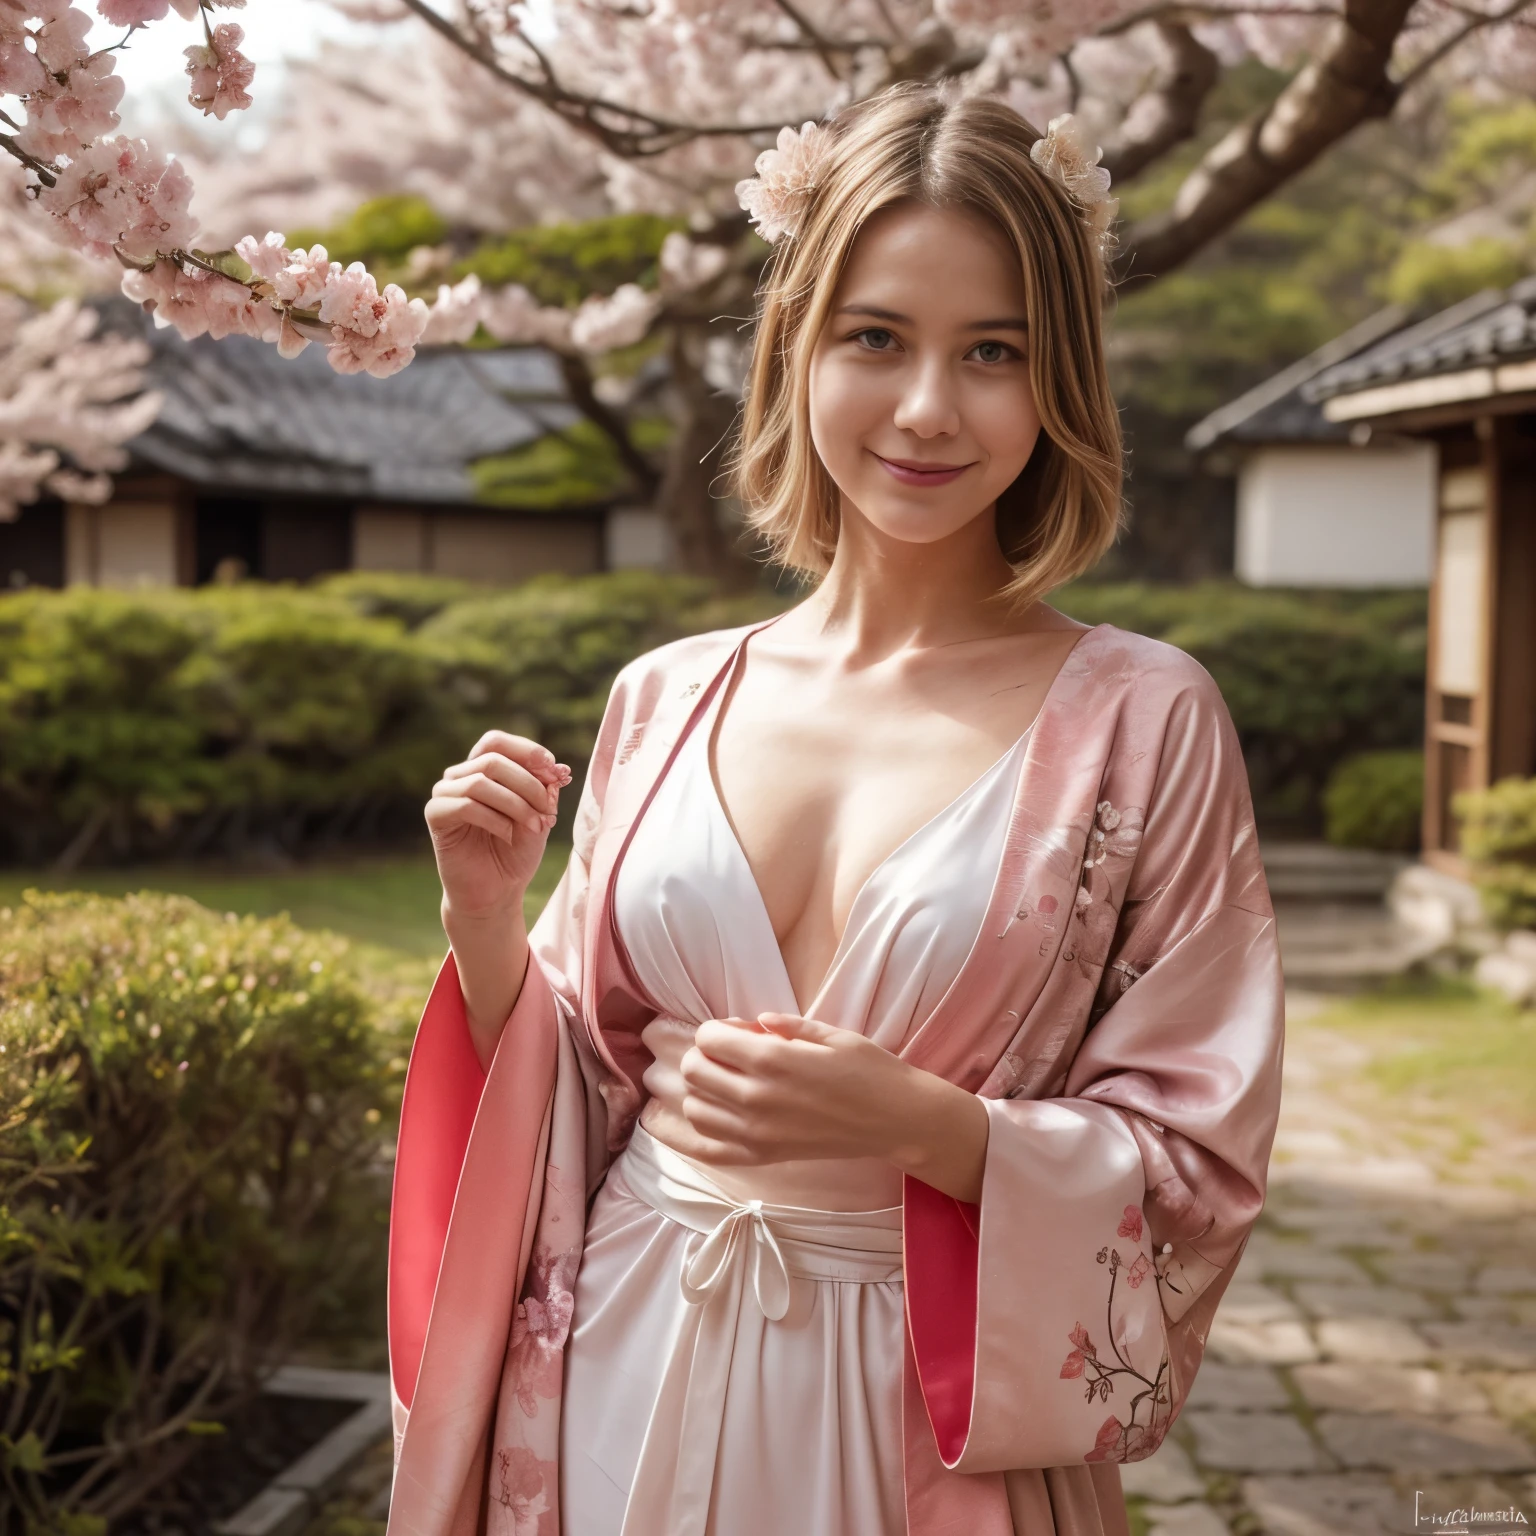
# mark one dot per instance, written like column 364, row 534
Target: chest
column 821, row 782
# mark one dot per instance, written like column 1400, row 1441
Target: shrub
column 1376, row 800
column 176, row 723
column 192, row 1116
column 562, row 640
column 1498, row 836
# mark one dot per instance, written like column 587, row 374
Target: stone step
column 1303, row 871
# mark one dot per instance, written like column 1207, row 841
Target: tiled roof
column 239, row 417
column 1278, row 410
column 1494, row 326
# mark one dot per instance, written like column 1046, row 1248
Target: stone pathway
column 1372, row 1368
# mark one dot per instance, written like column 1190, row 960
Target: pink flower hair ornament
column 787, row 178
column 788, row 175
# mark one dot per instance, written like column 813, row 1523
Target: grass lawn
column 386, row 904
column 1445, row 1050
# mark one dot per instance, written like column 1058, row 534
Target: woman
column 863, row 1137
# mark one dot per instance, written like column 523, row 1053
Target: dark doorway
column 303, row 539
column 228, row 528
column 32, row 548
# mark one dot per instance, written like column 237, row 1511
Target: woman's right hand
column 490, row 817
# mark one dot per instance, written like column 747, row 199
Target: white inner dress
column 734, row 1361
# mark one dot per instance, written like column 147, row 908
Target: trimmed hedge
column 1376, row 800
column 194, row 1115
column 1498, row 836
column 270, row 717
column 230, row 720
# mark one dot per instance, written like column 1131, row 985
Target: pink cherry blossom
column 394, row 326
column 119, row 196
column 131, row 13
column 21, row 72
column 61, row 40
column 618, row 320
column 220, row 72
column 687, row 264
column 266, row 257
column 302, row 280
column 456, row 314
column 198, row 302
column 63, row 118
column 512, row 315
column 787, row 175
column 65, row 394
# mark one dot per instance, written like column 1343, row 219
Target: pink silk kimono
column 1120, row 1013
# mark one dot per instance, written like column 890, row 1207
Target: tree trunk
column 694, row 494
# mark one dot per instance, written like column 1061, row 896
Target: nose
column 929, row 406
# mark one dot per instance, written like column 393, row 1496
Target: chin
column 917, row 524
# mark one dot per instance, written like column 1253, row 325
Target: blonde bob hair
column 909, row 143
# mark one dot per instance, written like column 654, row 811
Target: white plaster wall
column 637, row 536
column 1336, row 516
column 121, row 544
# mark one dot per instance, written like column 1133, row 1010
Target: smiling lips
column 914, row 472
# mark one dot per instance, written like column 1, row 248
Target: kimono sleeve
column 446, row 1085
column 1113, row 1215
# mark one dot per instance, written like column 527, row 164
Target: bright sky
column 153, row 66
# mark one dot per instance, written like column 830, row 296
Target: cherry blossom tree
column 612, row 105
column 69, row 400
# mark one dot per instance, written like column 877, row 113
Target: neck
column 884, row 594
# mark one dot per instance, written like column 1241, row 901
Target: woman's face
column 920, row 400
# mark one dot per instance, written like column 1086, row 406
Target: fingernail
column 563, row 775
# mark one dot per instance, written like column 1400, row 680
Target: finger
column 450, row 815
column 484, row 790
column 794, row 1026
column 720, row 1084
column 512, row 774
column 746, row 1050
column 533, row 755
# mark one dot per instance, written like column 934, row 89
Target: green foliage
column 1376, row 800
column 1325, row 251
column 1498, row 835
column 1436, row 276
column 404, row 596
column 193, row 1113
column 1310, row 678
column 385, row 227
column 576, row 467
column 564, row 263
column 561, row 641
column 175, row 723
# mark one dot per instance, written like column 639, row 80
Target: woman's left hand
column 783, row 1088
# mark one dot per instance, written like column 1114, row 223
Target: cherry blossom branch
column 1475, row 23
column 1180, row 14
column 1346, row 82
column 653, row 134
column 1173, row 108
column 821, row 45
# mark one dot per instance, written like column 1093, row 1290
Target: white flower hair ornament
column 787, row 177
column 788, row 174
column 1063, row 151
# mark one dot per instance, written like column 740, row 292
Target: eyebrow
column 1007, row 323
